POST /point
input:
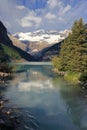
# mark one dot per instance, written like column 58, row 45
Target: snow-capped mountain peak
column 49, row 36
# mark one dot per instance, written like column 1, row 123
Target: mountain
column 8, row 40
column 16, row 42
column 50, row 36
column 3, row 35
column 40, row 39
column 47, row 53
column 42, row 44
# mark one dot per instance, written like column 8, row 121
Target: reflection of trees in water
column 44, row 69
column 74, row 109
column 35, row 72
column 27, row 75
column 75, row 102
column 32, row 75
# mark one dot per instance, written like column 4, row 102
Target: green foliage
column 3, row 57
column 5, row 67
column 72, row 77
column 7, row 54
column 56, row 61
column 83, row 77
column 13, row 54
column 73, row 54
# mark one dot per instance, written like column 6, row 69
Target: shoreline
column 4, row 76
column 73, row 77
column 7, row 119
column 61, row 73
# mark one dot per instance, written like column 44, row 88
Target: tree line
column 73, row 54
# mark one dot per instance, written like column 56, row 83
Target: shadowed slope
column 7, row 41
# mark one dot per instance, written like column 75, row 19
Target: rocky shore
column 8, row 120
column 12, row 118
column 3, row 77
column 61, row 73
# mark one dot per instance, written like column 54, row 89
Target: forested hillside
column 4, row 60
column 73, row 54
column 12, row 49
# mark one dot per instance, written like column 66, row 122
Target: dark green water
column 53, row 103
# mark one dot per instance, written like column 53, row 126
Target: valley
column 41, row 43
column 43, row 64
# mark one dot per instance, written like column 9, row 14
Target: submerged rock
column 7, row 121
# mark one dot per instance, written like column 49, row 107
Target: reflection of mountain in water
column 56, row 104
column 33, row 78
column 23, row 86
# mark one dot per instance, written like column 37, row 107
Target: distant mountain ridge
column 39, row 45
column 41, row 39
column 49, row 36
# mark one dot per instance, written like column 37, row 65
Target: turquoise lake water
column 46, row 99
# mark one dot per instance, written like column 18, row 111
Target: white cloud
column 52, row 3
column 55, row 14
column 50, row 16
column 20, row 7
column 61, row 19
column 7, row 24
column 30, row 19
column 66, row 9
column 25, row 22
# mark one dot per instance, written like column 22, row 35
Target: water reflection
column 32, row 79
column 76, row 104
column 55, row 103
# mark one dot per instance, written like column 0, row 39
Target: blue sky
column 30, row 15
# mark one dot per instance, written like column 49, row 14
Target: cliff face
column 3, row 35
column 7, row 41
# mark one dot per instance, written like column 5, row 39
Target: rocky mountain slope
column 17, row 43
column 13, row 43
column 40, row 45
column 50, row 36
column 47, row 53
column 41, row 39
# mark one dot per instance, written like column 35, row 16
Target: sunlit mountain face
column 49, row 36
column 39, row 40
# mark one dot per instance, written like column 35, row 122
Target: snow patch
column 50, row 37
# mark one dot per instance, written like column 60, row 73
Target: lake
column 45, row 100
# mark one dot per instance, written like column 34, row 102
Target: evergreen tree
column 4, row 59
column 73, row 54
